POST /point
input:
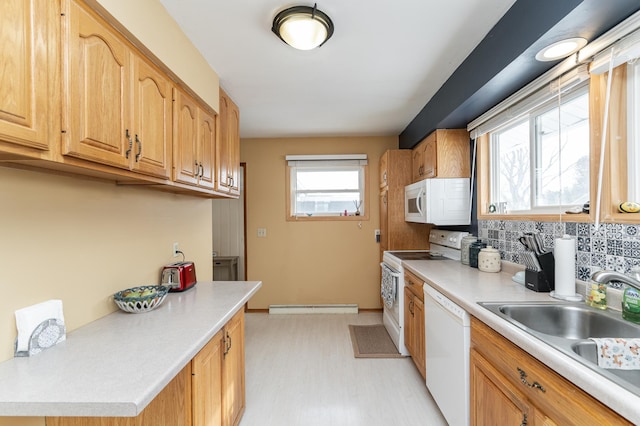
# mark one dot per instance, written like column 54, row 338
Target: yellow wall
column 81, row 241
column 309, row 262
column 150, row 23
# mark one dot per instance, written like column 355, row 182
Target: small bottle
column 474, row 249
column 596, row 295
column 631, row 305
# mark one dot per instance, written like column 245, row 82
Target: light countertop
column 466, row 286
column 116, row 365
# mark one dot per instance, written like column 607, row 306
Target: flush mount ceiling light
column 303, row 27
column 561, row 49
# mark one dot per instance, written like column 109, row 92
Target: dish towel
column 388, row 287
column 618, row 353
column 39, row 327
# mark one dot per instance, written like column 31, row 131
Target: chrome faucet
column 605, row 277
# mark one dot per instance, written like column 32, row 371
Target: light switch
column 262, row 232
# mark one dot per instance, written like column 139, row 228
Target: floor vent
column 314, row 309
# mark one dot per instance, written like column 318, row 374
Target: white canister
column 489, row 260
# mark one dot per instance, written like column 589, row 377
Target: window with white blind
column 326, row 186
column 540, row 162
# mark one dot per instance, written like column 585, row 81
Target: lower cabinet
column 414, row 321
column 509, row 387
column 209, row 391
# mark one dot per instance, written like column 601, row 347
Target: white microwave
column 440, row 201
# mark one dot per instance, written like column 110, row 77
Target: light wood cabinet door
column 28, row 60
column 417, row 163
column 408, row 321
column 494, row 401
column 186, row 168
column 228, row 152
column 206, row 149
column 233, row 382
column 419, row 355
column 207, row 383
column 152, row 96
column 98, row 101
column 430, row 157
column 384, row 219
column 384, row 162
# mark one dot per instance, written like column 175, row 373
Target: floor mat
column 372, row 341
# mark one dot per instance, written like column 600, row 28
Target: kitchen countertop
column 116, row 365
column 466, row 286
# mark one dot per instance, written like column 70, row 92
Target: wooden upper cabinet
column 118, row 106
column 152, row 120
column 442, row 154
column 228, row 151
column 28, row 62
column 186, row 168
column 207, row 148
column 97, row 107
column 194, row 142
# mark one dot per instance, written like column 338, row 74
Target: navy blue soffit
column 504, row 61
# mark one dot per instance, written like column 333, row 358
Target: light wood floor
column 300, row 370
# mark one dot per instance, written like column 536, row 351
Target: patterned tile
column 583, row 229
column 632, row 230
column 600, row 232
column 584, row 244
column 599, row 245
column 599, row 260
column 571, row 228
column 584, row 273
column 614, row 231
column 583, row 259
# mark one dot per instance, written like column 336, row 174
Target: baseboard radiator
column 314, row 309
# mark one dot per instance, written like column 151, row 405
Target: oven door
column 415, row 202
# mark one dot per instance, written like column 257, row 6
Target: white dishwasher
column 447, row 336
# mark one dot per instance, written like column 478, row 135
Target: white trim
column 326, row 157
column 314, row 309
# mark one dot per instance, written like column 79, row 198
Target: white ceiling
column 384, row 62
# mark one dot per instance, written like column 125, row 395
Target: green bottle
column 631, row 305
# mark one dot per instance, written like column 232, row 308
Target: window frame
column 363, row 181
column 534, row 147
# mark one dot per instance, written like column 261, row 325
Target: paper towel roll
column 565, row 269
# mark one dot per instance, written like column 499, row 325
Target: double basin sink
column 568, row 327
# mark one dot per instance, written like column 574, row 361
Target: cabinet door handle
column 139, row 142
column 524, row 419
column 128, row 135
column 201, row 171
column 534, row 385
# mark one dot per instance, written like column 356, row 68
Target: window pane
column 327, row 179
column 571, row 173
column 511, row 153
column 327, row 191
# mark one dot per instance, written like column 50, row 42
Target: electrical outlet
column 262, row 232
column 377, row 235
column 175, row 249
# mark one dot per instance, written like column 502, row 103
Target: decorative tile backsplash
column 613, row 246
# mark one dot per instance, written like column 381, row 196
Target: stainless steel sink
column 569, row 321
column 568, row 327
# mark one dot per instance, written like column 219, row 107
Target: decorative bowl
column 141, row 299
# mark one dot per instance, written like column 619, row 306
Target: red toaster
column 179, row 276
